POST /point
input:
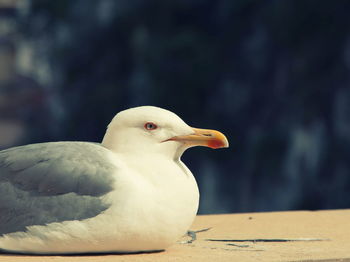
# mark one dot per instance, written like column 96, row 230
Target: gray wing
column 52, row 182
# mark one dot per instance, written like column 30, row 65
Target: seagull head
column 153, row 130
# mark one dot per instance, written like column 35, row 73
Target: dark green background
column 272, row 75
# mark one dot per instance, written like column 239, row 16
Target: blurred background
column 274, row 76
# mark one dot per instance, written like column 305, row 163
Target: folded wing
column 53, row 182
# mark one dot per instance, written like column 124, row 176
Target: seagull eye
column 150, row 126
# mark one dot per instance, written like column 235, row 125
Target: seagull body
column 131, row 193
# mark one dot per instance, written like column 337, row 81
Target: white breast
column 147, row 213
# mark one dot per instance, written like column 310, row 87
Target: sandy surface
column 332, row 226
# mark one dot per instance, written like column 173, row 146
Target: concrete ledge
column 321, row 236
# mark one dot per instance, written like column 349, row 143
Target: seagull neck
column 178, row 153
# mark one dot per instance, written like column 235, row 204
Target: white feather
column 154, row 198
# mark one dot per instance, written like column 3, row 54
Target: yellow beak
column 203, row 137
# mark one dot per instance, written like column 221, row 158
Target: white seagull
column 131, row 193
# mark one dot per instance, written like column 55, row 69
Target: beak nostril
column 207, row 135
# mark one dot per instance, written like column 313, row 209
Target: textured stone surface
column 332, row 226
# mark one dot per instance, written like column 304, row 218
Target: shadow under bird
column 131, row 193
